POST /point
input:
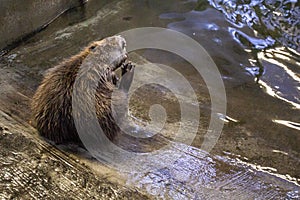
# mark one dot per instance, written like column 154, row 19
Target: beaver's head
column 111, row 50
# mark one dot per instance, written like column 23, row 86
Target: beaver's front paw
column 127, row 67
column 127, row 76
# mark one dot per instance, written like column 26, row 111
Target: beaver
column 52, row 102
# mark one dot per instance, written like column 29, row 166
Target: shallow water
column 255, row 46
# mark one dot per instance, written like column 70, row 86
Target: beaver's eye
column 93, row 47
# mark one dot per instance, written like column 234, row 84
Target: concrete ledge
column 20, row 18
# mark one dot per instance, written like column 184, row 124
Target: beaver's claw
column 127, row 76
column 126, row 67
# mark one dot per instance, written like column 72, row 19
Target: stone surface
column 34, row 169
column 20, row 18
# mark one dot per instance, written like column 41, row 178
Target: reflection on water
column 279, row 74
column 289, row 124
column 260, row 39
column 273, row 42
column 268, row 18
column 274, row 23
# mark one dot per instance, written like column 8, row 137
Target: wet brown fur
column 52, row 102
